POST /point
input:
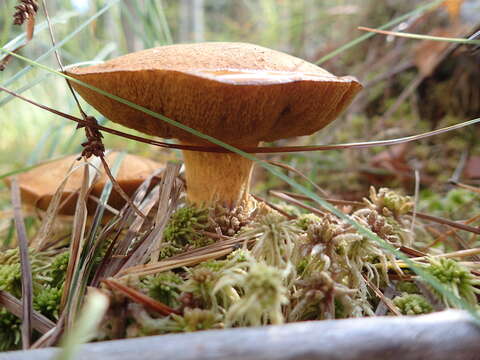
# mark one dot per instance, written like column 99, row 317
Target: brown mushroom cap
column 239, row 93
column 38, row 186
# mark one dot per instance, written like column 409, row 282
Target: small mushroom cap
column 38, row 186
column 239, row 93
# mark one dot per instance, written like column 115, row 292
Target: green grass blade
column 163, row 22
column 69, row 37
column 93, row 311
column 364, row 37
column 60, row 19
column 100, row 210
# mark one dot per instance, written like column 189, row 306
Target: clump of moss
column 196, row 320
column 47, row 301
column 11, row 279
column 455, row 204
column 289, row 209
column 10, row 331
column 164, row 287
column 304, row 220
column 262, row 292
column 389, row 202
column 191, row 320
column 407, row 287
column 412, row 304
column 184, row 230
column 200, row 283
column 456, row 278
column 58, row 269
column 47, row 280
column 275, row 239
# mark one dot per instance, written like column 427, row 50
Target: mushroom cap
column 39, row 185
column 236, row 92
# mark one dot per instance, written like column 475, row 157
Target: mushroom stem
column 217, row 178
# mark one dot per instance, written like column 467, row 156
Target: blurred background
column 411, row 86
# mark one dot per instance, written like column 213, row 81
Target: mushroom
column 239, row 93
column 38, row 186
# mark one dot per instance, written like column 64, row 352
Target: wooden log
column 446, row 335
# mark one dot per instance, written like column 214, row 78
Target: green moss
column 456, row 204
column 302, row 266
column 412, row 304
column 47, row 301
column 10, row 331
column 200, row 283
column 11, row 279
column 164, row 287
column 305, row 220
column 407, row 287
column 58, row 269
column 262, row 293
column 214, row 265
column 388, row 202
column 456, row 278
column 184, row 229
column 196, row 320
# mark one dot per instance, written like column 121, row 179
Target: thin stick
column 388, row 302
column 285, row 197
column 420, row 37
column 119, row 189
column 27, row 287
column 456, row 254
column 140, row 298
column 39, row 322
column 292, row 169
column 59, row 60
column 466, row 187
column 415, row 199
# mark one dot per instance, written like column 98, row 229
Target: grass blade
column 14, row 305
column 25, row 70
column 96, row 305
column 364, row 37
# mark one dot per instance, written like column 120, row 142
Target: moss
column 456, row 278
column 196, row 320
column 47, row 301
column 388, row 202
column 184, row 229
column 10, row 331
column 200, row 283
column 275, row 239
column 289, row 209
column 58, row 269
column 407, row 287
column 455, row 204
column 305, row 220
column 11, row 279
column 412, row 304
column 263, row 292
column 302, row 266
column 340, row 311
column 164, row 287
